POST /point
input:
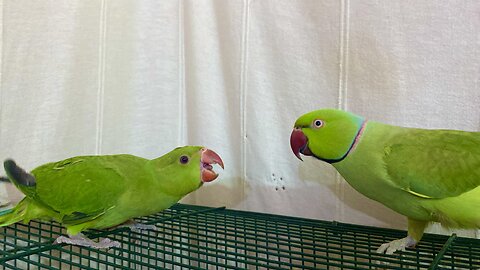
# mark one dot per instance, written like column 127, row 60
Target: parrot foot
column 399, row 244
column 138, row 227
column 81, row 240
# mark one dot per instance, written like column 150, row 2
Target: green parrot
column 425, row 175
column 99, row 192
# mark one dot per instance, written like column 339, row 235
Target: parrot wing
column 83, row 188
column 434, row 164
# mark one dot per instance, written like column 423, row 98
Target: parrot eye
column 318, row 123
column 184, row 159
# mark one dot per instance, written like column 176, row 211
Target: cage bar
column 197, row 237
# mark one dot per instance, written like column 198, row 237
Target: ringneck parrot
column 99, row 192
column 424, row 174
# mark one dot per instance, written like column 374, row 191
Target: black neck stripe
column 362, row 127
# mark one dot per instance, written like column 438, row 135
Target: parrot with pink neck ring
column 100, row 192
column 425, row 175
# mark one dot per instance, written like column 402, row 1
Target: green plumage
column 103, row 191
column 426, row 175
column 418, row 173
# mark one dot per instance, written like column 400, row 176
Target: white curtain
column 142, row 77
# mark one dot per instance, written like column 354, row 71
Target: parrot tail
column 23, row 180
column 461, row 211
column 4, row 179
column 14, row 214
column 18, row 175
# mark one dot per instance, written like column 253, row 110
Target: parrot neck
column 352, row 147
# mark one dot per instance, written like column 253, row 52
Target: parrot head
column 186, row 168
column 326, row 134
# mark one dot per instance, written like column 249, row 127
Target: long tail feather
column 6, row 211
column 16, row 214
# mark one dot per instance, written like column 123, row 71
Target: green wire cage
column 195, row 237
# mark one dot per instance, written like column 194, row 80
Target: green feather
column 440, row 163
column 426, row 175
column 414, row 171
column 103, row 191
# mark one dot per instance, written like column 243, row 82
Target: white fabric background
column 142, row 77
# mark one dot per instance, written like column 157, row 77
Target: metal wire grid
column 194, row 237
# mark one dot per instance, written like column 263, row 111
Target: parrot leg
column 138, row 227
column 399, row 244
column 415, row 233
column 82, row 240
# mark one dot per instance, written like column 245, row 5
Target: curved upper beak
column 207, row 159
column 298, row 142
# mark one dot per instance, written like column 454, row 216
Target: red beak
column 298, row 142
column 208, row 158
